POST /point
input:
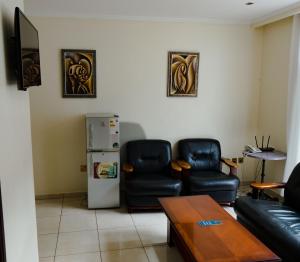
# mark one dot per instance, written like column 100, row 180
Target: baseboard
column 61, row 195
column 245, row 183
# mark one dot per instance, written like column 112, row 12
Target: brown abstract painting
column 79, row 70
column 183, row 74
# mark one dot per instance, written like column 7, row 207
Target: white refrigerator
column 103, row 160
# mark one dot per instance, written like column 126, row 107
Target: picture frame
column 183, row 74
column 79, row 73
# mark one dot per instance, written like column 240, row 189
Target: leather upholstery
column 151, row 177
column 201, row 154
column 276, row 224
column 205, row 175
column 292, row 189
column 206, row 180
column 149, row 155
column 150, row 184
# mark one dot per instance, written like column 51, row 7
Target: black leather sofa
column 276, row 224
column 150, row 174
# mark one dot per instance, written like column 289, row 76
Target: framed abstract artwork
column 183, row 74
column 79, row 73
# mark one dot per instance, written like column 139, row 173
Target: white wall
column 16, row 172
column 274, row 88
column 131, row 81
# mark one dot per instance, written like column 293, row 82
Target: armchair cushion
column 201, row 154
column 151, row 184
column 211, row 181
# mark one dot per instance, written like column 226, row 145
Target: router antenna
column 268, row 142
column 256, row 141
column 262, row 142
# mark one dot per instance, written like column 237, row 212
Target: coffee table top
column 229, row 241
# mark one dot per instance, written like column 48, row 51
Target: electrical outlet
column 83, row 168
column 239, row 160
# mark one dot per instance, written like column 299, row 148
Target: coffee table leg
column 170, row 234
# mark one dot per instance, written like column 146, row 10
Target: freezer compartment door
column 103, row 179
column 102, row 133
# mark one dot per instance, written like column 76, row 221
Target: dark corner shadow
column 8, row 44
column 128, row 132
column 175, row 150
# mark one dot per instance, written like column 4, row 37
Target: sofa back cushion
column 148, row 156
column 292, row 190
column 200, row 153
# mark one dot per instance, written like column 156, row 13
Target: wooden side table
column 271, row 156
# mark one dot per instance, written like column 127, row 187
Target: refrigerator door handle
column 91, row 166
column 91, row 131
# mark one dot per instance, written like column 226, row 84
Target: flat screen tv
column 27, row 52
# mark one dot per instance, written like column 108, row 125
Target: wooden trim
column 261, row 186
column 183, row 164
column 175, row 166
column 229, row 163
column 127, row 168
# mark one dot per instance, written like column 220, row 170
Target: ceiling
column 231, row 11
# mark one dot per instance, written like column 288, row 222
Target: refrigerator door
column 102, row 133
column 103, row 179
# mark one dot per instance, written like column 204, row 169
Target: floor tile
column 113, row 218
column 163, row 254
column 48, row 208
column 155, row 234
column 77, row 242
column 119, row 238
column 78, row 222
column 46, row 259
column 76, row 207
column 47, row 245
column 125, row 255
column 87, row 257
column 147, row 219
column 48, row 225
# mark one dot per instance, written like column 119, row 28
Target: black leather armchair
column 201, row 161
column 276, row 224
column 150, row 173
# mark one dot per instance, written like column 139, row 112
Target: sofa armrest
column 229, row 162
column 262, row 186
column 127, row 168
column 183, row 164
column 175, row 167
column 233, row 166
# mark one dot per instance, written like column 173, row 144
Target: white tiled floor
column 69, row 232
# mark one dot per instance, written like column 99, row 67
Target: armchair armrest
column 229, row 163
column 262, row 186
column 127, row 168
column 233, row 166
column 175, row 167
column 183, row 164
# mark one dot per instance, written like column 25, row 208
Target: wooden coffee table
column 229, row 241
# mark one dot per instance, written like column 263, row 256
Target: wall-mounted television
column 27, row 52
